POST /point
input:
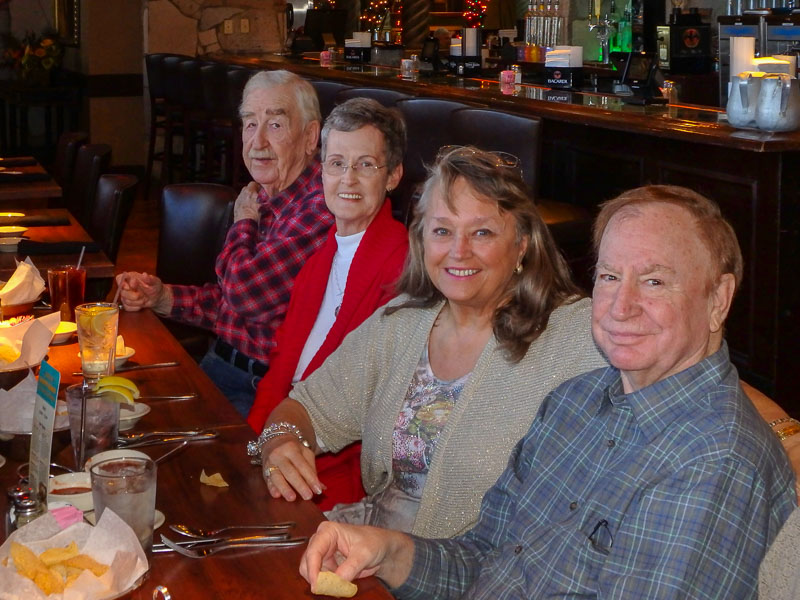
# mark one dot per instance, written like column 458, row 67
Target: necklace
column 338, row 288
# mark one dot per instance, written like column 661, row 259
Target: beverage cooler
column 774, row 34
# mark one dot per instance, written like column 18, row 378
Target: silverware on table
column 199, row 533
column 191, row 396
column 133, row 437
column 213, row 548
column 162, row 365
column 272, row 537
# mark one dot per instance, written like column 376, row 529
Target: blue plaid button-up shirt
column 673, row 491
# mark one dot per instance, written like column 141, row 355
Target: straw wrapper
column 111, row 542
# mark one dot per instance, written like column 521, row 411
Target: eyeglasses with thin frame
column 363, row 168
column 501, row 159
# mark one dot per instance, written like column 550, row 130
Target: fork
column 191, row 543
column 211, row 549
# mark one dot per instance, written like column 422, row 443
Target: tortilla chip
column 215, row 480
column 83, row 561
column 52, row 556
column 50, row 582
column 25, row 561
column 330, row 584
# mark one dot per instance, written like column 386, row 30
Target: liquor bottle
column 558, row 23
column 530, row 24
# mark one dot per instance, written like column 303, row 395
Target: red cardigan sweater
column 376, row 266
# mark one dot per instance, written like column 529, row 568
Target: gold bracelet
column 783, row 420
column 788, row 432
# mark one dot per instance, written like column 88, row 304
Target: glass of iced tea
column 97, row 337
column 67, row 288
column 127, row 485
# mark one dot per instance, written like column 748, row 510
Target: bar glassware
column 97, row 336
column 100, row 423
column 67, row 288
column 127, row 486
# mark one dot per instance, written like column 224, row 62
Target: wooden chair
column 570, row 225
column 389, row 98
column 195, row 218
column 427, row 130
column 92, row 161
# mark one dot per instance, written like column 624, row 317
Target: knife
column 168, row 440
column 139, row 367
column 191, row 396
column 159, row 547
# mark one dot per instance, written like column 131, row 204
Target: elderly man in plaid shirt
column 280, row 219
column 651, row 478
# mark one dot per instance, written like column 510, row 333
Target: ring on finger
column 268, row 471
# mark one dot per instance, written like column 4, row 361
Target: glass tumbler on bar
column 67, row 288
column 127, row 485
column 100, row 424
column 97, row 336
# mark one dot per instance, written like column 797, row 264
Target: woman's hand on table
column 289, row 468
column 142, row 290
column 366, row 550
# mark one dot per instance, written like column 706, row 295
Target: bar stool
column 488, row 129
column 196, row 120
column 173, row 114
column 154, row 66
column 426, row 131
column 387, row 98
column 221, row 128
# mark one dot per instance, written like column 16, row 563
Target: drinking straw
column 80, row 258
column 116, row 296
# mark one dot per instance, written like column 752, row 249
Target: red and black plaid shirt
column 257, row 267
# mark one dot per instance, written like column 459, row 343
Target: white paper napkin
column 25, row 285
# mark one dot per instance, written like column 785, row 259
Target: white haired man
column 651, row 478
column 280, row 219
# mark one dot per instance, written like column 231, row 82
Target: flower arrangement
column 33, row 57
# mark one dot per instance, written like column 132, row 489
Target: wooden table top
column 183, row 499
column 97, row 264
column 25, row 190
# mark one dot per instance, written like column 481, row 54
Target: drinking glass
column 97, row 336
column 67, row 287
column 127, row 485
column 101, row 423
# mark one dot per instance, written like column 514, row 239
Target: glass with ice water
column 97, row 336
column 127, row 486
column 101, row 426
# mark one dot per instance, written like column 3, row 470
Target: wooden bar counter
column 594, row 146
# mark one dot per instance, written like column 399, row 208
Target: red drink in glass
column 67, row 287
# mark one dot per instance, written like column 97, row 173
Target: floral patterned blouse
column 422, row 418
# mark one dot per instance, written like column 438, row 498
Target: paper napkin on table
column 25, row 285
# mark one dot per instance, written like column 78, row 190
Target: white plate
column 64, row 331
column 12, row 230
column 158, row 521
column 9, row 244
column 82, row 501
column 129, row 417
column 121, row 359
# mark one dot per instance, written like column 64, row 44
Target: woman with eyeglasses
column 350, row 276
column 441, row 383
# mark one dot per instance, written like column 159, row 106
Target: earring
column 518, row 269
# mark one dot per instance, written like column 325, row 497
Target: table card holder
column 44, row 416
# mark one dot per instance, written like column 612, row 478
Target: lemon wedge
column 97, row 319
column 115, row 393
column 118, row 382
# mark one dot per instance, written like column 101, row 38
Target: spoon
column 197, row 532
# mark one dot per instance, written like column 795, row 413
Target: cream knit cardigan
column 359, row 390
